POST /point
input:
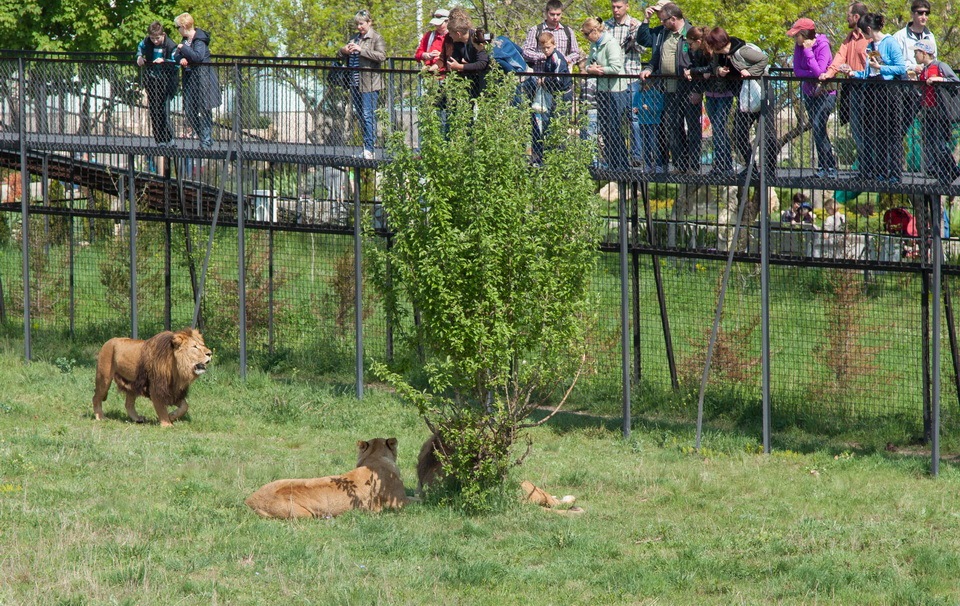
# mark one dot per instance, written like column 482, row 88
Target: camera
column 482, row 37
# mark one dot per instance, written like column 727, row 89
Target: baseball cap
column 659, row 5
column 926, row 46
column 801, row 24
column 439, row 16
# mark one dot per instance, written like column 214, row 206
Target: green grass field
column 117, row 513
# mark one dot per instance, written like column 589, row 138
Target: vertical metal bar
column 132, row 197
column 71, row 267
column 241, row 231
column 764, row 272
column 358, row 280
column 935, row 258
column 625, row 337
column 270, row 251
column 389, row 308
column 925, row 340
column 25, row 211
column 167, row 245
column 635, row 276
column 661, row 296
column 952, row 333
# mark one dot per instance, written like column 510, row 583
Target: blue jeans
column 611, row 107
column 199, row 117
column 818, row 110
column 541, row 121
column 718, row 109
column 365, row 110
column 650, row 145
column 637, row 150
column 682, row 122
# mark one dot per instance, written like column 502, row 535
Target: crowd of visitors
column 650, row 117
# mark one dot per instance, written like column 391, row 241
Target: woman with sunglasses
column 915, row 31
column 613, row 99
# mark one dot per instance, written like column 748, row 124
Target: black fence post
column 132, row 197
column 936, row 258
column 625, row 338
column 25, row 211
column 241, row 223
column 358, row 279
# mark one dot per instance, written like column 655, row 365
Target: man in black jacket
column 682, row 104
column 201, row 87
column 155, row 55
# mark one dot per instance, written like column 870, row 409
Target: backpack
column 900, row 221
column 948, row 96
column 566, row 30
column 508, row 55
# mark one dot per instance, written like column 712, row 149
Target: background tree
column 496, row 256
column 79, row 25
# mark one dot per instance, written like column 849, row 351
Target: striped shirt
column 623, row 32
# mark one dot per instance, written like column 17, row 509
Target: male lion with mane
column 372, row 486
column 161, row 368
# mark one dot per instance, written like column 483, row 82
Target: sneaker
column 720, row 172
column 367, row 154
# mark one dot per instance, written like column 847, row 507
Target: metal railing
column 287, row 171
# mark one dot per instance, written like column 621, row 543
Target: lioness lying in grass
column 374, row 484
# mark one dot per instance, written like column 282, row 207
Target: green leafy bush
column 495, row 255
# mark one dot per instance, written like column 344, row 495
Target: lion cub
column 373, row 485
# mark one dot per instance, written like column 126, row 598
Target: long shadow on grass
column 892, row 439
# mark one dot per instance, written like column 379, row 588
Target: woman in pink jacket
column 811, row 57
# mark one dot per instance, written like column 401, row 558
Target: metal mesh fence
column 850, row 281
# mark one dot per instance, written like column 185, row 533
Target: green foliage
column 115, row 269
column 495, row 255
column 814, row 522
column 78, row 25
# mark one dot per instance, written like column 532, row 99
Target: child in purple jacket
column 811, row 57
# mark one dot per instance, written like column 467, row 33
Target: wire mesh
column 288, row 155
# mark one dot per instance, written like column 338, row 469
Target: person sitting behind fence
column 549, row 88
column 789, row 215
column 648, row 107
column 937, row 127
column 834, row 220
column 834, row 224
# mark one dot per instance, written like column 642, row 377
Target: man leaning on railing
column 155, row 54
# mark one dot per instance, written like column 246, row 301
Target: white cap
column 439, row 16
